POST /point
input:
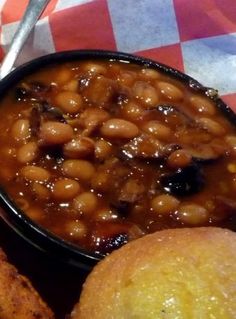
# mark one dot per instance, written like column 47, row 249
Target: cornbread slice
column 171, row 274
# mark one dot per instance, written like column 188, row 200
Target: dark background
column 58, row 284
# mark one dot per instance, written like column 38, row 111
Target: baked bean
column 133, row 111
column 35, row 173
column 211, row 126
column 65, row 189
column 69, row 102
column 127, row 78
column 101, row 181
column 20, row 130
column 99, row 91
column 91, row 118
column 179, row 158
column 105, row 214
column 103, row 149
column 119, row 128
column 193, row 214
column 63, row 75
column 71, row 86
column 52, row 133
column 42, row 192
column 27, row 152
column 150, row 74
column 81, row 169
column 79, row 147
column 85, row 203
column 164, row 204
column 231, row 167
column 231, row 141
column 94, row 68
column 202, row 105
column 77, row 229
column 146, row 93
column 161, row 131
column 170, row 91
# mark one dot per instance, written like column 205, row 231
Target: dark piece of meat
column 185, row 181
column 146, row 147
column 43, row 111
column 34, row 91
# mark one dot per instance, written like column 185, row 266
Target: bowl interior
column 37, row 235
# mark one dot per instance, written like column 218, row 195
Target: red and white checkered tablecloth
column 194, row 36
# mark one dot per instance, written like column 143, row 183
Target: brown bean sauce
column 103, row 152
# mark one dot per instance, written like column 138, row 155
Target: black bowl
column 24, row 226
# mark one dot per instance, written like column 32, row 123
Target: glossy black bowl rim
column 32, row 232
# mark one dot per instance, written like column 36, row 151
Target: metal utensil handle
column 31, row 15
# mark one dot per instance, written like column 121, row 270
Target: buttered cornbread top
column 177, row 273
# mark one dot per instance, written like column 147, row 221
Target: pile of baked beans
column 103, row 152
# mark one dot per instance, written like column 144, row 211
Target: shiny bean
column 76, row 229
column 41, row 191
column 202, row 105
column 119, row 128
column 65, row 189
column 133, row 111
column 231, row 141
column 94, row 68
column 85, row 203
column 81, row 169
column 99, row 91
column 193, row 214
column 52, row 133
column 79, row 147
column 35, row 173
column 20, row 130
column 105, row 214
column 71, row 86
column 231, row 167
column 179, row 158
column 93, row 117
column 103, row 149
column 126, row 78
column 27, row 152
column 101, row 181
column 170, row 91
column 211, row 126
column 146, row 93
column 150, row 74
column 63, row 75
column 69, row 102
column 161, row 131
column 164, row 204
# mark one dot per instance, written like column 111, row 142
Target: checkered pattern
column 197, row 37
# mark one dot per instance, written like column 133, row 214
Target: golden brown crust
column 18, row 299
column 179, row 273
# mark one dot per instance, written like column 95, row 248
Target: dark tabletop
column 58, row 284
